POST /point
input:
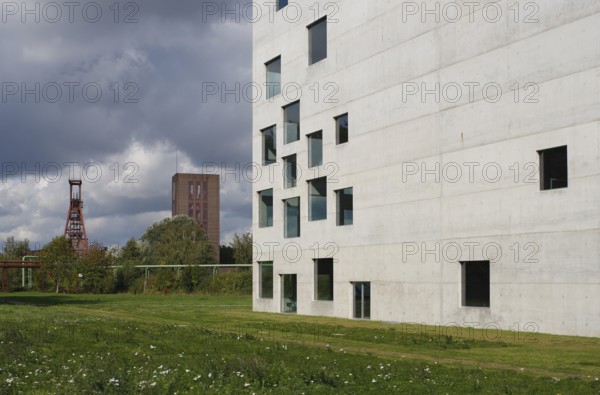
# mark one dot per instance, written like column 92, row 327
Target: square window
column 344, row 206
column 324, row 279
column 291, row 120
column 554, row 168
column 265, row 208
column 341, row 129
column 266, row 280
column 476, row 283
column 317, row 41
column 281, row 4
column 290, row 171
column 317, row 195
column 292, row 217
column 273, row 77
column 269, row 146
column 315, row 149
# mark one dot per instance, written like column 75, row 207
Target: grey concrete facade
column 446, row 119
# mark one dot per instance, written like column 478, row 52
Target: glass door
column 362, row 300
column 288, row 293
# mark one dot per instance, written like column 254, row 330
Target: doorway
column 288, row 293
column 362, row 300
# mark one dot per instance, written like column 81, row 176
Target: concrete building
column 438, row 165
column 199, row 196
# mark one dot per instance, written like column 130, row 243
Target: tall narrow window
column 290, row 171
column 362, row 300
column 265, row 208
column 317, row 41
column 281, row 4
column 291, row 119
column 344, row 206
column 315, row 149
column 554, row 172
column 269, row 146
column 317, row 195
column 266, row 280
column 476, row 283
column 289, row 293
column 341, row 129
column 292, row 217
column 273, row 77
column 324, row 279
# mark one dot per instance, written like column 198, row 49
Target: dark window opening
column 341, row 129
column 315, row 149
column 273, row 77
column 317, row 194
column 317, row 41
column 290, row 171
column 291, row 119
column 476, row 283
column 266, row 280
column 265, row 208
column 269, row 146
column 289, row 293
column 553, row 168
column 345, row 207
column 292, row 217
column 324, row 279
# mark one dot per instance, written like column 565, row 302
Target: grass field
column 181, row 344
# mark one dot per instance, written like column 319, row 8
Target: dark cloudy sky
column 115, row 95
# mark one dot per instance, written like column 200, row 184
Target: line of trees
column 172, row 241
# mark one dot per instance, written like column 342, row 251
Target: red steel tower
column 75, row 227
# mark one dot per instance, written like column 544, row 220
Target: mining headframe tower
column 75, row 226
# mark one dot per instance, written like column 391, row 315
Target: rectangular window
column 290, row 173
column 344, row 206
column 317, row 195
column 273, row 77
column 269, row 146
column 315, row 149
column 324, row 279
column 553, row 168
column 281, row 4
column 266, row 280
column 341, row 129
column 317, row 41
column 362, row 300
column 476, row 283
column 265, row 208
column 291, row 120
column 292, row 217
column 289, row 293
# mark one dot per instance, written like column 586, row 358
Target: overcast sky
column 118, row 99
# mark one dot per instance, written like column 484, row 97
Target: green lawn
column 69, row 344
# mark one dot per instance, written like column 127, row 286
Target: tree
column 131, row 252
column 15, row 250
column 129, row 256
column 58, row 260
column 242, row 248
column 176, row 241
column 93, row 274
